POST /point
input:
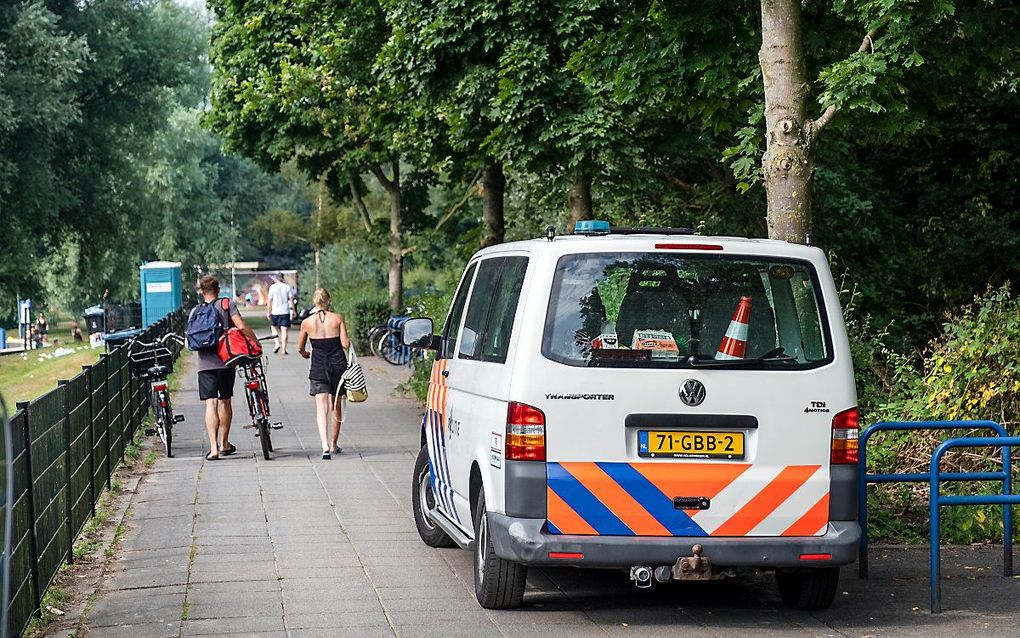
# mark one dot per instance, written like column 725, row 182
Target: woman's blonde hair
column 321, row 298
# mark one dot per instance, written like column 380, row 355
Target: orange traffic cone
column 734, row 344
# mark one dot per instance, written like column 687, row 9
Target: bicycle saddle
column 158, row 372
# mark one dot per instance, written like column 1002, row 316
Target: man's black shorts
column 216, row 384
column 280, row 321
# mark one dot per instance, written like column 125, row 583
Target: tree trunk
column 318, row 230
column 318, row 251
column 396, row 252
column 788, row 162
column 493, row 187
column 580, row 200
column 359, row 204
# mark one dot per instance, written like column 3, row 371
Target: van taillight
column 845, row 430
column 525, row 433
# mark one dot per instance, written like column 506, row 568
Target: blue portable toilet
column 161, row 290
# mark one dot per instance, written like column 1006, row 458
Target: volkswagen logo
column 692, row 392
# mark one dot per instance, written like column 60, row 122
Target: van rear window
column 675, row 311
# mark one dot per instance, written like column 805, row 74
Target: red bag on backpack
column 235, row 347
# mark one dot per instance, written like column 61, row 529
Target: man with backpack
column 206, row 323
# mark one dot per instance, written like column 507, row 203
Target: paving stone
column 216, row 572
column 338, row 620
column 247, row 625
column 341, row 632
column 456, row 629
column 137, row 607
column 149, row 630
column 234, row 604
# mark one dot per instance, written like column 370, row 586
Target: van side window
column 489, row 323
column 456, row 313
column 495, row 342
column 478, row 309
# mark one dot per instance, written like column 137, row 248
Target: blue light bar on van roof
column 591, row 227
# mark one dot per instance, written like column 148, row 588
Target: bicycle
column 152, row 364
column 376, row 335
column 385, row 341
column 256, row 392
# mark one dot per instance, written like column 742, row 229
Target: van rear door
column 689, row 395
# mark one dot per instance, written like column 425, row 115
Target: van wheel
column 808, row 589
column 499, row 584
column 423, row 500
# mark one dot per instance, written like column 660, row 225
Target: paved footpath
column 298, row 546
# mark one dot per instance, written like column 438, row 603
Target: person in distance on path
column 278, row 298
column 328, row 336
column 216, row 381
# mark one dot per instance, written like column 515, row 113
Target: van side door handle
column 446, row 373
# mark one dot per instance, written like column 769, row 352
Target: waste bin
column 115, row 339
column 95, row 319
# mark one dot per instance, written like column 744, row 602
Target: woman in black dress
column 328, row 336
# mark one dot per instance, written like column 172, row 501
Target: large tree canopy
column 102, row 162
column 880, row 67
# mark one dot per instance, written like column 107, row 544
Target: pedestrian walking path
column 298, row 547
column 294, row 546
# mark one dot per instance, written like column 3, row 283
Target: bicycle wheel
column 267, row 444
column 390, row 350
column 264, row 406
column 167, row 431
column 375, row 337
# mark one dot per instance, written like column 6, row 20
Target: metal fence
column 66, row 445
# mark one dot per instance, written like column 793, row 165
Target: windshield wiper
column 696, row 361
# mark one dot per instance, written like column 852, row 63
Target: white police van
column 674, row 405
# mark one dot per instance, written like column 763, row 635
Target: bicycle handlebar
column 158, row 342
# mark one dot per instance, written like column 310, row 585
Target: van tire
column 499, row 583
column 421, row 488
column 808, row 589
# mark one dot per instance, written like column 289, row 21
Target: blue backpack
column 204, row 327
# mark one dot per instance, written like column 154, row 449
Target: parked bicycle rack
column 401, row 353
column 934, row 476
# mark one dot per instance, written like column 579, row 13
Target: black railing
column 66, row 445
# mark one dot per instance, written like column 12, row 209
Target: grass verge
column 50, row 609
column 25, row 377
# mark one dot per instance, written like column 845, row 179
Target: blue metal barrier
column 934, row 476
column 917, row 477
column 1007, row 499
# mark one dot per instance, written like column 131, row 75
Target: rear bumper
column 523, row 540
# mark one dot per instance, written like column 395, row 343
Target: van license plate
column 691, row 445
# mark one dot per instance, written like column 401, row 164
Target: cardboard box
column 660, row 342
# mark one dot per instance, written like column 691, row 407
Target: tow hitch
column 695, row 567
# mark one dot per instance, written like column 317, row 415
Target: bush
column 361, row 316
column 970, row 372
column 435, row 307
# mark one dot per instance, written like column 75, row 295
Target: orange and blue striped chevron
column 636, row 499
column 435, row 421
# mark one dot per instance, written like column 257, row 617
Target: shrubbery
column 363, row 315
column 435, row 307
column 971, row 371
